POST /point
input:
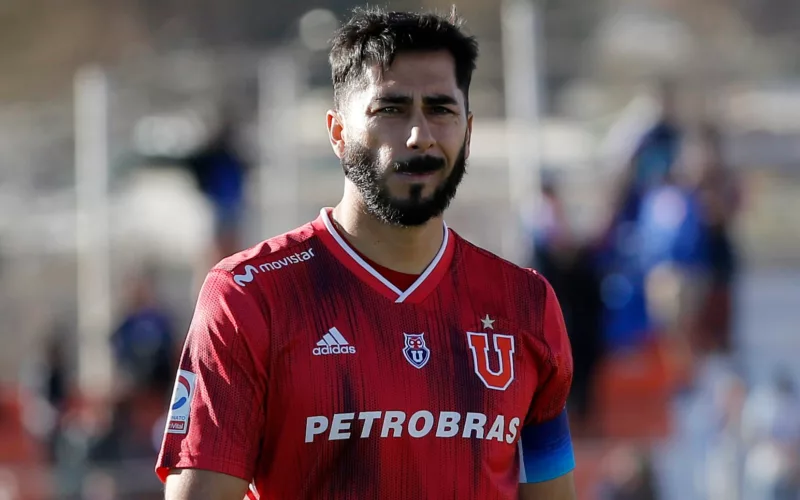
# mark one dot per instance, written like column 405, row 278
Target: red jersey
column 310, row 375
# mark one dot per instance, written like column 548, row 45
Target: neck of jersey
column 403, row 281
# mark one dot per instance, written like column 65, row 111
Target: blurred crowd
column 663, row 265
column 651, row 293
column 104, row 448
column 658, row 276
column 662, row 272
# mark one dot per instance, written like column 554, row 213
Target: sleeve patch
column 181, row 403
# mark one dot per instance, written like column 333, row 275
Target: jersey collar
column 420, row 289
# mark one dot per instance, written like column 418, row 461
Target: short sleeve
column 545, row 445
column 555, row 374
column 217, row 413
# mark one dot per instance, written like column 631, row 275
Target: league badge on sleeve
column 180, row 406
column 415, row 351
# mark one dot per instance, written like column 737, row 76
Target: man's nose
column 420, row 138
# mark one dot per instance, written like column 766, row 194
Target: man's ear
column 468, row 139
column 336, row 132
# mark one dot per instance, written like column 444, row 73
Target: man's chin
column 411, row 214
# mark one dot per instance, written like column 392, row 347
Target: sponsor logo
column 247, row 277
column 395, row 424
column 504, row 349
column 415, row 350
column 180, row 406
column 250, row 270
column 333, row 342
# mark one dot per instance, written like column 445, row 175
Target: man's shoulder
column 281, row 251
column 489, row 263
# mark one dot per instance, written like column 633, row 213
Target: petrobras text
column 447, row 424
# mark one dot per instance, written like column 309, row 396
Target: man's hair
column 374, row 36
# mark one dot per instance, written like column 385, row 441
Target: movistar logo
column 247, row 277
column 250, row 271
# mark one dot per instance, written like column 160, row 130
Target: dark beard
column 361, row 167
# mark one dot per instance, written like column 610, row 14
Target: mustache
column 419, row 165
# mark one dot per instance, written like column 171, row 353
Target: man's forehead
column 414, row 74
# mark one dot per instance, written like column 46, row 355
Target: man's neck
column 403, row 249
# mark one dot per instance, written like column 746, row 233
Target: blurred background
column 642, row 154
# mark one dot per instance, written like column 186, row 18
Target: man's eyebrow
column 393, row 99
column 439, row 100
column 428, row 100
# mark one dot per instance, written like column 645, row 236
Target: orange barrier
column 17, row 445
column 589, row 467
column 634, row 390
column 23, row 461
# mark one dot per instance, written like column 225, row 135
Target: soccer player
column 374, row 353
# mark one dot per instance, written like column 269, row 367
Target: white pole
column 91, row 187
column 263, row 136
column 521, row 37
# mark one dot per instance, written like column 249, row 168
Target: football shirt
column 310, row 375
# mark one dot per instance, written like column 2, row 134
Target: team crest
column 415, row 351
column 502, row 350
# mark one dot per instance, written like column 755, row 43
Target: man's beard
column 362, row 167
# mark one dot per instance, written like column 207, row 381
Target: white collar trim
column 401, row 295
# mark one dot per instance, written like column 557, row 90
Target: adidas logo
column 333, row 343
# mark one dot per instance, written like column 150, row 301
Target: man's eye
column 441, row 110
column 389, row 110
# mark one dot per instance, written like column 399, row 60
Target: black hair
column 375, row 36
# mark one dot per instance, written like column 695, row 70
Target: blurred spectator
column 650, row 163
column 719, row 198
column 726, row 451
column 686, row 247
column 144, row 350
column 628, row 475
column 552, row 238
column 670, row 228
column 583, row 317
column 673, row 254
column 658, row 149
column 772, row 411
column 144, row 344
column 220, row 172
column 47, row 379
column 627, row 321
column 569, row 266
column 771, row 430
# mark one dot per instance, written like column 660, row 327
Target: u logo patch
column 503, row 351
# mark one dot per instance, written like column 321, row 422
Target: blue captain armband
column 545, row 450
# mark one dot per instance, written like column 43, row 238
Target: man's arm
column 546, row 455
column 216, row 417
column 194, row 484
column 560, row 488
column 547, row 461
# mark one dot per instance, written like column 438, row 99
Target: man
column 373, row 353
